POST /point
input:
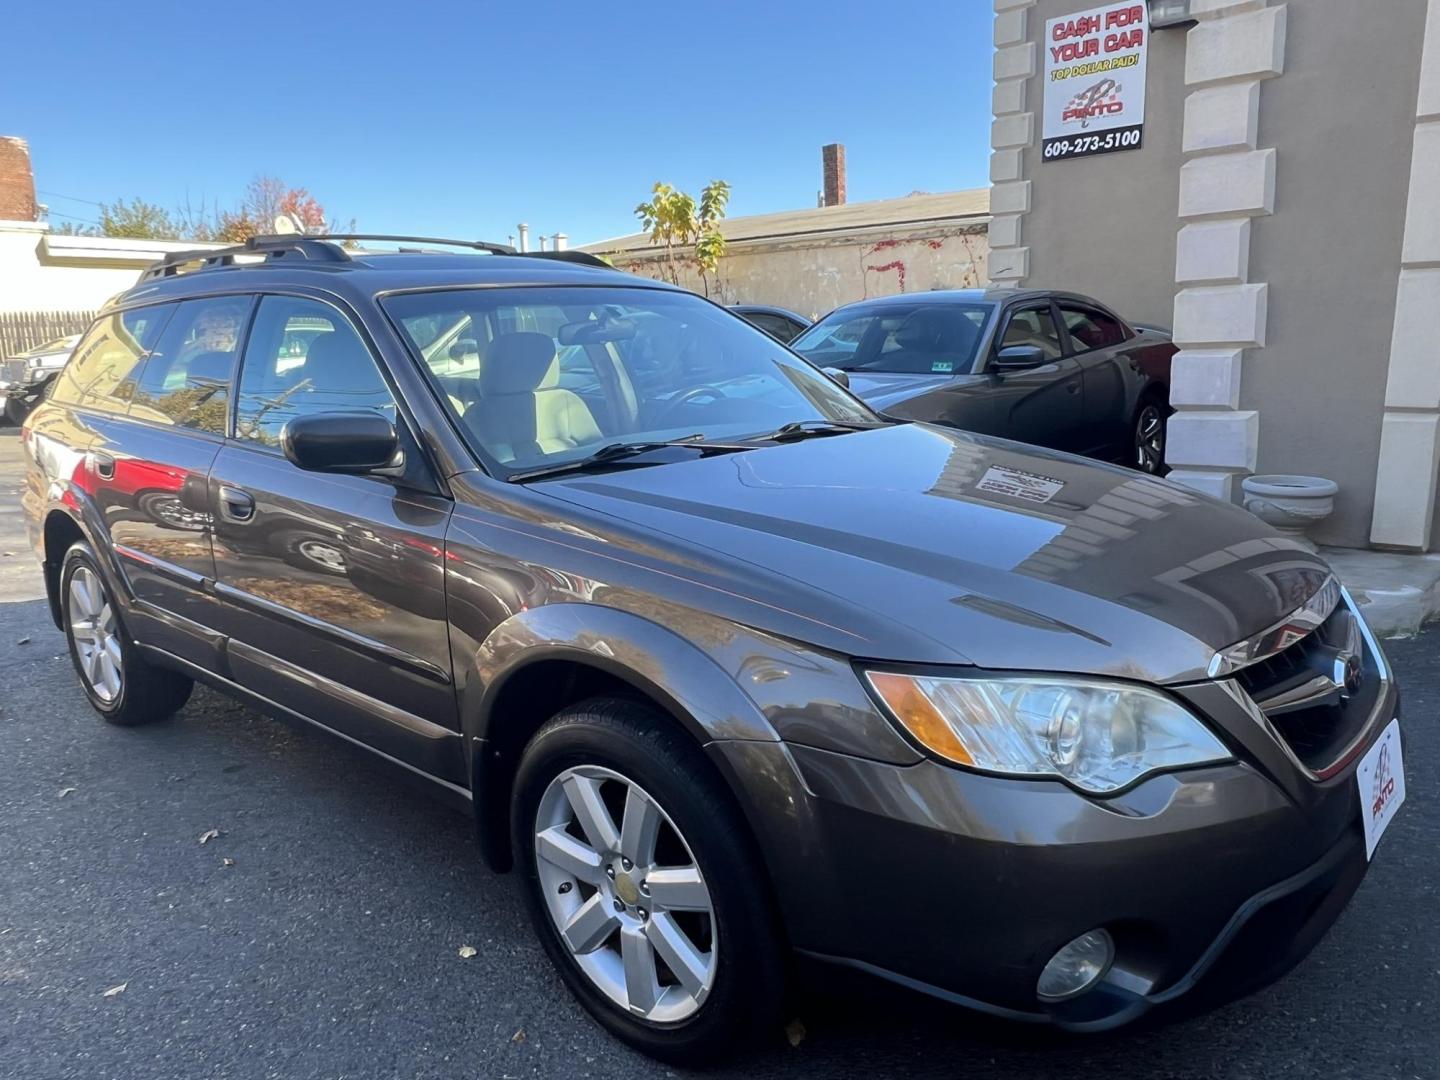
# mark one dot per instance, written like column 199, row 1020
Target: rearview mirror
column 841, row 377
column 1019, row 358
column 341, row 442
column 597, row 331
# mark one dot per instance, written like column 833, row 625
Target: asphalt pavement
column 270, row 903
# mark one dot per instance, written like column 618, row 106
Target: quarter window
column 1090, row 329
column 303, row 357
column 1033, row 326
column 102, row 373
column 186, row 381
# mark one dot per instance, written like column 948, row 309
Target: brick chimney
column 17, row 182
column 832, row 158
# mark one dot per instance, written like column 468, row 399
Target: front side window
column 1091, row 329
column 558, row 372
column 1033, row 326
column 303, row 357
column 186, row 381
column 905, row 338
column 103, row 369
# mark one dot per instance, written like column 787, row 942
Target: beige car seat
column 523, row 413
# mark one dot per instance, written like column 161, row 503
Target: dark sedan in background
column 1054, row 369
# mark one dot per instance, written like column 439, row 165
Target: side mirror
column 1019, row 358
column 341, row 442
column 841, row 377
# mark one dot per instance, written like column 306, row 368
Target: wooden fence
column 21, row 330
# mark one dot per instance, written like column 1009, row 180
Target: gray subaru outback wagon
column 723, row 663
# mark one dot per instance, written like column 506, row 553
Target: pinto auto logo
column 1382, row 785
column 1099, row 99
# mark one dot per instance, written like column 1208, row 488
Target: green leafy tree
column 709, row 240
column 138, row 220
column 675, row 220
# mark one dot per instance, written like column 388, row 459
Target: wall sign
column 1095, row 81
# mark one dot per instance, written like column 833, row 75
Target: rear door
column 1043, row 405
column 333, row 585
column 151, row 467
column 1097, row 341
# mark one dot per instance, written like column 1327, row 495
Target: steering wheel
column 684, row 397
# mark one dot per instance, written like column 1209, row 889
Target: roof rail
column 571, row 255
column 477, row 245
column 272, row 247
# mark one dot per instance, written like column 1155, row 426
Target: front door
column 1044, row 405
column 1097, row 341
column 333, row 585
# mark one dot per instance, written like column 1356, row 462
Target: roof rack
column 329, row 248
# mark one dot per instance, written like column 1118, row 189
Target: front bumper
column 1212, row 881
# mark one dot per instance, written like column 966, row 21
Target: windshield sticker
column 942, row 367
column 1024, row 486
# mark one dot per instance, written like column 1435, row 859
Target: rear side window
column 1091, row 329
column 186, row 381
column 103, row 371
column 303, row 357
column 1033, row 326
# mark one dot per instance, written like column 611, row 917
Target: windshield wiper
column 806, row 429
column 618, row 451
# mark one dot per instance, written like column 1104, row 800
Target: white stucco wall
column 42, row 272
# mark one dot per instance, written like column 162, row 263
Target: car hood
column 916, row 543
column 880, row 389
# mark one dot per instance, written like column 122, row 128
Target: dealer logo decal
column 1382, row 786
column 1100, row 99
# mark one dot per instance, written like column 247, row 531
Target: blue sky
column 456, row 118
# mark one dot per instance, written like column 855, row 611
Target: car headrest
column 517, row 363
column 210, row 366
column 336, row 359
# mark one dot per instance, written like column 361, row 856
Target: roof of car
column 962, row 296
column 271, row 265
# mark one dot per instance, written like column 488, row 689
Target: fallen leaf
column 64, row 791
column 467, row 951
column 208, row 835
column 518, row 1037
column 115, row 990
column 795, row 1032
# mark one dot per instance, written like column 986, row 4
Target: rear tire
column 16, row 411
column 1147, row 436
column 718, row 987
column 123, row 687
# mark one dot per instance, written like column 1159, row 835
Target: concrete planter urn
column 1290, row 504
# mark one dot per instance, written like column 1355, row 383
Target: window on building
column 303, row 357
column 186, row 381
column 103, row 371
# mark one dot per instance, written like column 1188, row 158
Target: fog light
column 1077, row 967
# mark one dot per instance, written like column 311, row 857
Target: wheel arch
column 541, row 661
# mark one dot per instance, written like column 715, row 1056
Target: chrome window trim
column 1280, row 635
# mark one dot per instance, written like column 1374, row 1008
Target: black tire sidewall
column 632, row 740
column 1147, row 404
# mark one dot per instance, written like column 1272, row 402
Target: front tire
column 644, row 885
column 123, row 688
column 16, row 411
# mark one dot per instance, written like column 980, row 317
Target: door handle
column 235, row 504
column 1072, row 387
column 103, row 465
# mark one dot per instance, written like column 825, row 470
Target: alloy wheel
column 628, row 900
column 95, row 634
column 1150, row 439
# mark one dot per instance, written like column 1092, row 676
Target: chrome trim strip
column 1278, row 636
column 1354, row 747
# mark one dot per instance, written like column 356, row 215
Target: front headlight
column 1097, row 735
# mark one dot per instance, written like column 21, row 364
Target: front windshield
column 539, row 376
column 926, row 338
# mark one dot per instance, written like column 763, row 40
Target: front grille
column 12, row 370
column 1314, row 716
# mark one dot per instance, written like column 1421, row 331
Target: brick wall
column 17, row 183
